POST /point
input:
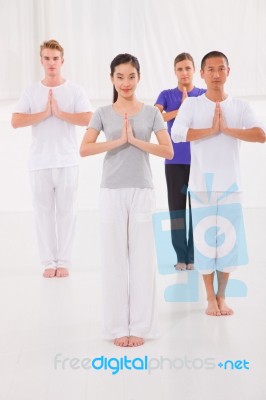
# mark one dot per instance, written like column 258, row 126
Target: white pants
column 218, row 230
column 54, row 201
column 128, row 257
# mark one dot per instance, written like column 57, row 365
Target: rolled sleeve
column 179, row 133
column 183, row 121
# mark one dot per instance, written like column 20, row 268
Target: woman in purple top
column 177, row 169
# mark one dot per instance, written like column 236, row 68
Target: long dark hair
column 123, row 59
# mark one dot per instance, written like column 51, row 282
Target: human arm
column 163, row 149
column 167, row 116
column 196, row 134
column 89, row 146
column 20, row 120
column 81, row 119
column 162, row 103
column 253, row 134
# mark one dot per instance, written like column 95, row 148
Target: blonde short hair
column 52, row 44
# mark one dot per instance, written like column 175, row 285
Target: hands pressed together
column 52, row 106
column 219, row 123
column 184, row 94
column 127, row 133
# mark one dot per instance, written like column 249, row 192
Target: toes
column 227, row 312
column 121, row 342
column 61, row 272
column 135, row 341
column 49, row 273
column 213, row 313
column 180, row 267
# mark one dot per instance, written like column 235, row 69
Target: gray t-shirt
column 127, row 166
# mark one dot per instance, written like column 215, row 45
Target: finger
column 126, row 121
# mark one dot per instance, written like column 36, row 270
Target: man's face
column 215, row 72
column 52, row 61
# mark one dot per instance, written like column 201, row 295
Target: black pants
column 177, row 176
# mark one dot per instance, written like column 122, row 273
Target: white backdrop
column 92, row 33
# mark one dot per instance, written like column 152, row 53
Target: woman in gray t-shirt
column 126, row 205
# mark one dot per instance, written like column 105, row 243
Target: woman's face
column 184, row 71
column 125, row 80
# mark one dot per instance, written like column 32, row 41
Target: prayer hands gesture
column 184, row 94
column 127, row 133
column 52, row 106
column 219, row 123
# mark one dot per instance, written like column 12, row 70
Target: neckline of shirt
column 129, row 115
column 54, row 87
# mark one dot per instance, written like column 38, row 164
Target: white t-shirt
column 214, row 160
column 54, row 142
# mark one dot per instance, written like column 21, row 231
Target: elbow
column 85, row 151
column 169, row 154
column 82, row 152
column 261, row 136
column 87, row 118
column 14, row 123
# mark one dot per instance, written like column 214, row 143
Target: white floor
column 49, row 328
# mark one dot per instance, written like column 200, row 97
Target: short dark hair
column 123, row 59
column 213, row 54
column 182, row 57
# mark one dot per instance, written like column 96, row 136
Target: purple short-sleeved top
column 171, row 100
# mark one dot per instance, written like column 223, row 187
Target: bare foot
column 49, row 273
column 213, row 308
column 180, row 266
column 190, row 267
column 62, row 272
column 122, row 341
column 135, row 341
column 224, row 309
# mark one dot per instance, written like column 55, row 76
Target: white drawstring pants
column 54, row 201
column 128, row 257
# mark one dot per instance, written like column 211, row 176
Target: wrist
column 46, row 114
column 59, row 114
column 131, row 139
column 120, row 141
column 226, row 130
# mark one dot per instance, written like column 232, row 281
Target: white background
column 92, row 33
column 40, row 318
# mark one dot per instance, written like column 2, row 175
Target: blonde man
column 53, row 106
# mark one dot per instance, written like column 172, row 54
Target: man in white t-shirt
column 53, row 107
column 215, row 123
